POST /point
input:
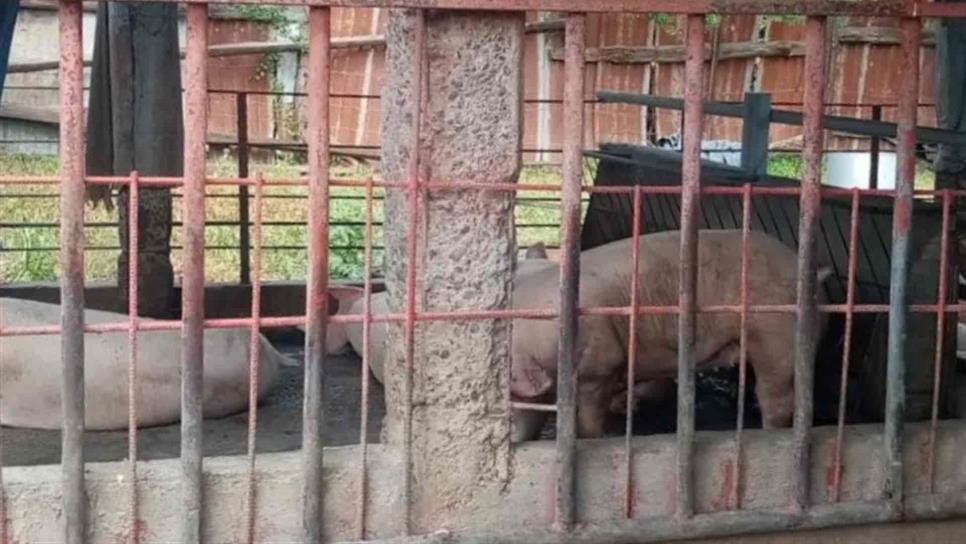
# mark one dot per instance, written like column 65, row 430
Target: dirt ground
column 279, row 422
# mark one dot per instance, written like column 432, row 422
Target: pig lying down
column 602, row 340
column 30, row 367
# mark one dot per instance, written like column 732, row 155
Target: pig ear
column 537, row 251
column 342, row 298
column 528, row 379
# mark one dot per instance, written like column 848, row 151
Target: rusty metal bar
column 72, row 269
column 412, row 185
column 364, row 363
column 193, row 275
column 632, row 353
column 573, row 122
column 735, row 498
column 132, row 369
column 245, row 275
column 253, row 360
column 687, row 288
column 316, row 296
column 836, row 485
column 910, row 31
column 806, row 330
column 940, row 334
column 874, row 153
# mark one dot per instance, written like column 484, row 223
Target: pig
column 601, row 349
column 31, row 371
column 536, row 259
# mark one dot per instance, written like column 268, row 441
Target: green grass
column 24, row 261
column 36, row 259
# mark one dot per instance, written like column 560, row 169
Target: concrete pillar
column 471, row 131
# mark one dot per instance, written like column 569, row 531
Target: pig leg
column 774, row 365
column 593, row 402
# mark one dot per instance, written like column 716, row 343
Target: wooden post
column 754, row 134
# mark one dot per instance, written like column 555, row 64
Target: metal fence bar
column 910, row 31
column 632, row 354
column 412, row 185
column 941, row 299
column 72, row 269
column 253, row 361
column 364, row 363
column 836, row 484
column 133, row 535
column 810, row 202
column 687, row 288
column 316, row 296
column 573, row 119
column 193, row 275
column 735, row 498
column 244, row 274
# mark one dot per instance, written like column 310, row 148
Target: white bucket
column 850, row 169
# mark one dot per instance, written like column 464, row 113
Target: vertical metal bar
column 573, row 119
column 836, row 491
column 366, row 355
column 892, row 490
column 253, row 358
column 810, row 203
column 244, row 241
column 874, row 158
column 72, row 268
column 414, row 169
column 735, row 498
column 632, row 354
column 687, row 288
column 132, row 369
column 317, row 299
column 3, row 489
column 940, row 333
column 193, row 277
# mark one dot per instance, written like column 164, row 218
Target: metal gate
column 893, row 503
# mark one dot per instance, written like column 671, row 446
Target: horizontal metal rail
column 860, row 127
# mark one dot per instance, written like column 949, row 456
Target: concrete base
column 526, row 503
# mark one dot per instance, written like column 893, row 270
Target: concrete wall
column 525, row 504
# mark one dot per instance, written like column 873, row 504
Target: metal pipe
column 573, row 122
column 836, row 484
column 412, row 184
column 806, row 332
column 364, row 363
column 133, row 535
column 72, row 269
column 687, row 287
column 245, row 276
column 193, row 275
column 735, row 499
column 892, row 488
column 253, row 360
column 632, row 354
column 316, row 296
column 942, row 295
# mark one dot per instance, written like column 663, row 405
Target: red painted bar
column 253, row 356
column 316, row 296
column 940, row 333
column 72, row 189
column 687, row 289
column 134, row 534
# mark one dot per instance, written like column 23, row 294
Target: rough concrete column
column 471, row 131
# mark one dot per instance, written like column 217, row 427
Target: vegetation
column 29, row 234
